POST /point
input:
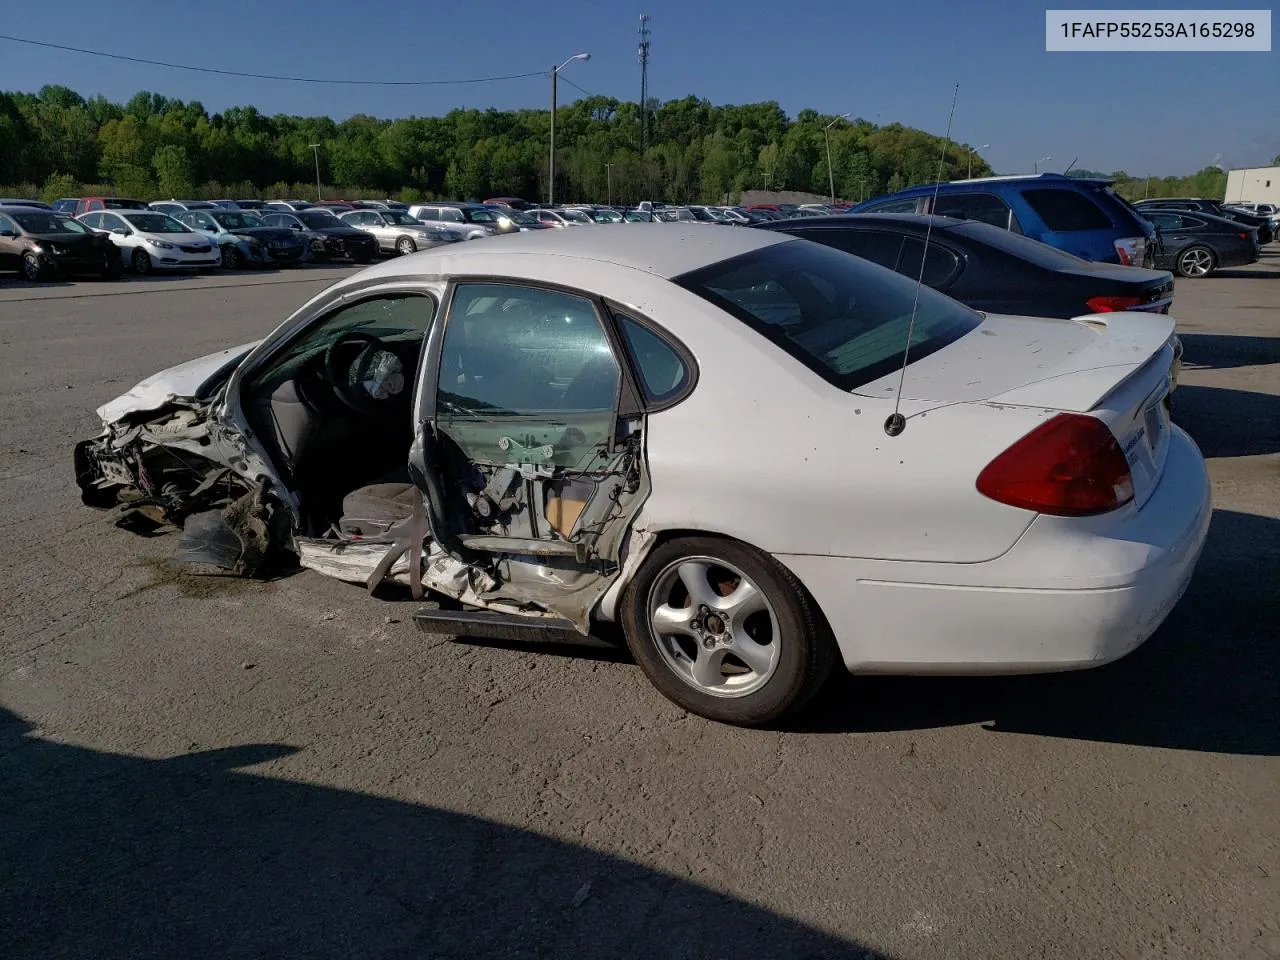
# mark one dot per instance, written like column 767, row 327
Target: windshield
column 515, row 216
column 479, row 215
column 400, row 219
column 117, row 203
column 155, row 223
column 606, row 216
column 701, row 213
column 48, row 223
column 843, row 317
column 318, row 220
column 577, row 216
column 236, row 220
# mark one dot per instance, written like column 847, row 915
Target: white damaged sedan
column 709, row 436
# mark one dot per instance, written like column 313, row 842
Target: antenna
column 896, row 422
column 644, row 79
column 1070, row 165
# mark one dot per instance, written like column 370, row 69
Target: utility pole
column 644, row 81
column 551, row 164
column 826, row 133
column 608, row 179
column 315, row 147
column 972, row 151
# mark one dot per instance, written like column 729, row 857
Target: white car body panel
column 175, row 383
column 915, row 570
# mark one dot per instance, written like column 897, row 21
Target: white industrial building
column 1253, row 185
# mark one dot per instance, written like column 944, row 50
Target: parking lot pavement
column 203, row 766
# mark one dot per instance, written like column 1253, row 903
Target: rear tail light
column 1070, row 466
column 1111, row 304
column 1244, row 236
column 1131, row 250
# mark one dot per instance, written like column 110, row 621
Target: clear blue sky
column 1154, row 113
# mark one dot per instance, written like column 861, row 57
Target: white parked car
column 398, row 232
column 692, row 432
column 150, row 240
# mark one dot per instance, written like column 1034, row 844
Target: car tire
column 231, row 259
column 33, row 270
column 141, row 261
column 1195, row 262
column 405, row 246
column 700, row 660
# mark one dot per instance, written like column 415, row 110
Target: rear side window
column 1065, row 211
column 940, row 265
column 664, row 374
column 983, row 207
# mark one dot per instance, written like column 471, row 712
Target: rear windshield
column 1016, row 245
column 844, row 318
column 1066, row 211
column 118, row 203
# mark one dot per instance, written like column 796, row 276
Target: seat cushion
column 370, row 511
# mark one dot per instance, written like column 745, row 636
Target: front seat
column 370, row 511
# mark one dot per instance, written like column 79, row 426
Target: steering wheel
column 347, row 379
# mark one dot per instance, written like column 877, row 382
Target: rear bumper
column 1070, row 594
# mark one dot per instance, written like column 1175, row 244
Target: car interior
column 526, row 419
column 336, row 404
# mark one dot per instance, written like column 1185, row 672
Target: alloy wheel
column 714, row 627
column 1196, row 262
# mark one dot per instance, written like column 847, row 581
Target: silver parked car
column 400, row 233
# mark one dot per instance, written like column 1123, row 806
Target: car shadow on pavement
column 1228, row 423
column 1219, row 352
column 109, row 856
column 1209, row 679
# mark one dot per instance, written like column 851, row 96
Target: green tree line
column 1210, row 182
column 57, row 143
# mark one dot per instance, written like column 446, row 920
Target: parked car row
column 114, row 233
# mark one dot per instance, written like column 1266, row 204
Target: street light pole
column 608, row 179
column 826, row 133
column 551, row 163
column 315, row 147
column 972, row 151
column 1036, row 167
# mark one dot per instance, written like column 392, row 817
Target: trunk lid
column 1117, row 366
column 1035, row 361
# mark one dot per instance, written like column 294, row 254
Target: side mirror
column 7, row 233
column 121, row 231
column 296, row 226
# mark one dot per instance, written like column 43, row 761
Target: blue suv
column 1084, row 217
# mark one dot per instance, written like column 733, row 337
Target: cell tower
column 644, row 80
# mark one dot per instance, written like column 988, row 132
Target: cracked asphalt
column 202, row 766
